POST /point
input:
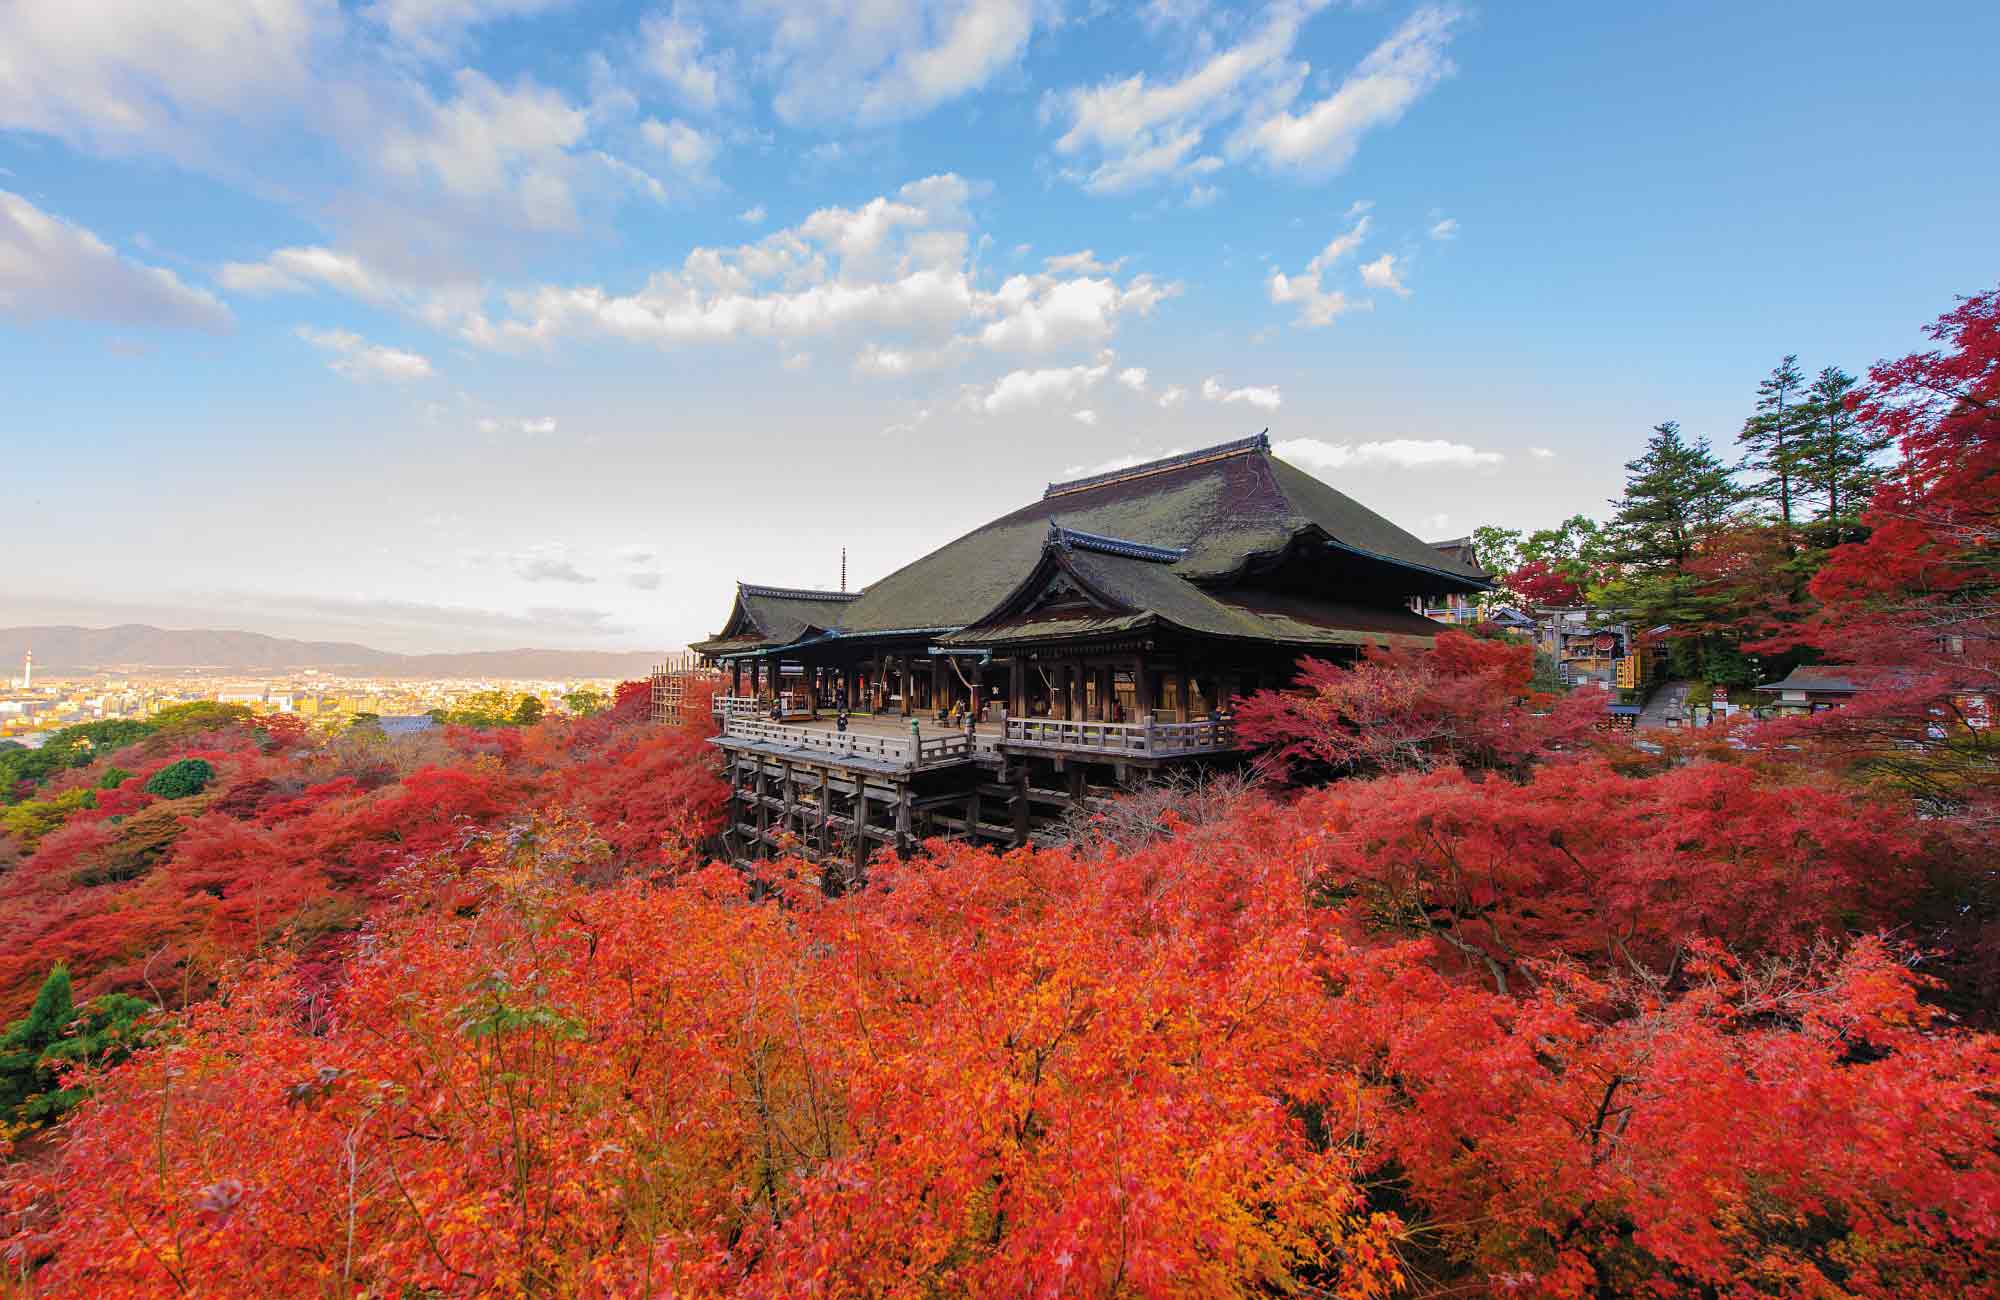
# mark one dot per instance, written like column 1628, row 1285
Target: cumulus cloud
column 54, row 269
column 872, row 62
column 900, row 268
column 1173, row 396
column 752, row 216
column 533, row 427
column 430, row 27
column 1084, row 417
column 1445, row 228
column 1021, row 389
column 1322, row 137
column 1541, row 453
column 1134, row 378
column 358, row 359
column 547, row 563
column 1381, row 274
column 507, row 150
column 639, row 566
column 1243, row 102
column 1399, row 453
column 1317, row 304
column 130, row 76
column 674, row 48
column 1264, row 399
column 294, row 270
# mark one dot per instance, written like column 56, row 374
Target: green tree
column 1772, row 439
column 190, row 776
column 585, row 701
column 528, row 712
column 1676, row 494
column 1838, row 456
column 54, row 1036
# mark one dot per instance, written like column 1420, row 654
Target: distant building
column 1456, row 607
column 1590, row 652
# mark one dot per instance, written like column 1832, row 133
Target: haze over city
column 536, row 317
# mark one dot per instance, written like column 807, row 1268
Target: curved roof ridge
column 1078, row 540
column 793, row 593
column 1257, row 442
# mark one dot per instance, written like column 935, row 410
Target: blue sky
column 444, row 324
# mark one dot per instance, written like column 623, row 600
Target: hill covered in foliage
column 1455, row 995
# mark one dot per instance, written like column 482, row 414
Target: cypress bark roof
column 772, row 616
column 1220, row 507
column 1162, row 540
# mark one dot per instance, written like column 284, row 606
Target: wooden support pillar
column 1020, row 808
column 972, row 817
column 1017, row 687
column 906, row 679
column 903, row 819
column 791, row 799
column 1143, row 703
column 1181, row 677
column 825, row 811
column 736, row 677
column 763, row 808
column 860, row 845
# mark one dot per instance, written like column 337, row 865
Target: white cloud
column 129, row 76
column 1134, row 378
column 1021, row 389
column 1136, row 131
column 900, row 268
column 429, row 26
column 1381, row 274
column 1541, row 453
column 673, row 48
column 1396, row 73
column 546, row 563
column 1084, row 417
column 293, row 270
column 1317, row 304
column 640, row 566
column 507, row 151
column 1264, row 399
column 872, row 62
column 1400, row 453
column 1446, row 228
column 359, row 360
column 538, row 427
column 54, row 269
column 752, row 216
column 535, row 427
column 689, row 148
column 1173, row 397
column 1127, row 133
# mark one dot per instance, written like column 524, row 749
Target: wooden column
column 1021, row 807
column 1142, row 690
column 860, row 832
column 1181, row 676
column 1017, row 687
column 825, row 809
column 736, row 677
column 937, row 682
column 906, row 680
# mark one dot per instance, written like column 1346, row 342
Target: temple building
column 1077, row 644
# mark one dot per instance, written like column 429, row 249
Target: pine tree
column 23, row 1073
column 1771, row 439
column 1675, row 494
column 1837, row 453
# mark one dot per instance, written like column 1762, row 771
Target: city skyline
column 455, row 326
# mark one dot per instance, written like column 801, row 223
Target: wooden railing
column 912, row 751
column 1125, row 739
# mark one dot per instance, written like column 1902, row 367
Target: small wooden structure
column 1053, row 655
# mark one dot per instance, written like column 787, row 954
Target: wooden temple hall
column 1045, row 659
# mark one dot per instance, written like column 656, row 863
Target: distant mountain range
column 135, row 645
